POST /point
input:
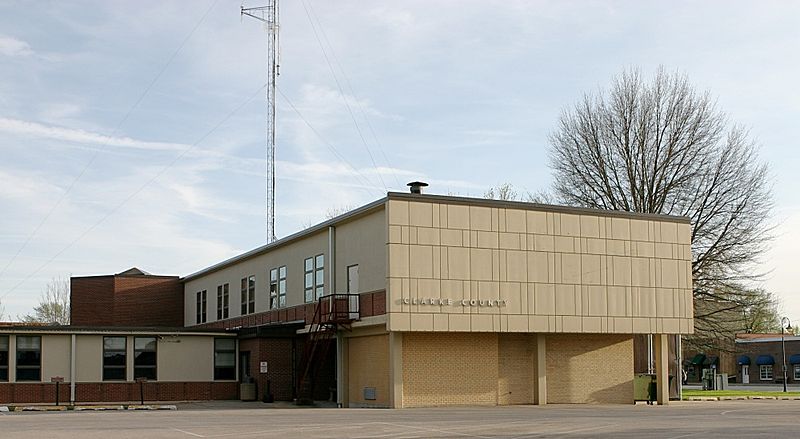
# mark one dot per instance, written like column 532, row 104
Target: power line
column 344, row 96
column 364, row 180
column 114, row 132
column 352, row 93
column 137, row 191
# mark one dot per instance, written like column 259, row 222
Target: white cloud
column 10, row 46
column 34, row 129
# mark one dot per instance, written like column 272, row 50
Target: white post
column 72, row 370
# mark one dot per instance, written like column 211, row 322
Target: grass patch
column 688, row 392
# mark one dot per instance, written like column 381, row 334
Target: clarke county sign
column 457, row 302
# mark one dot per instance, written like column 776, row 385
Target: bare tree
column 660, row 146
column 508, row 192
column 53, row 307
column 2, row 311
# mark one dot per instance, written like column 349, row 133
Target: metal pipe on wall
column 72, row 370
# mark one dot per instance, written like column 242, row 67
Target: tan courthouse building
column 423, row 300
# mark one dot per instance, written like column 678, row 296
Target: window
column 201, row 307
column 796, row 371
column 114, row 350
column 4, row 358
column 224, row 359
column 29, row 358
column 277, row 287
column 766, row 372
column 314, row 278
column 144, row 357
column 248, row 295
column 222, row 302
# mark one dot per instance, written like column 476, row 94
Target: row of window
column 115, row 352
column 765, row 372
column 314, row 289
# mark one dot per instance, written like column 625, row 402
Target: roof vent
column 416, row 186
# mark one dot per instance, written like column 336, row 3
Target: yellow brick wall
column 368, row 366
column 516, row 369
column 449, row 369
column 589, row 368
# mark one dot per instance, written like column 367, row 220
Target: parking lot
column 742, row 419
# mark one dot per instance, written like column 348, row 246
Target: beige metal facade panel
column 362, row 242
column 185, row 358
column 56, row 356
column 89, row 358
column 555, row 272
column 592, row 368
column 368, row 367
column 292, row 255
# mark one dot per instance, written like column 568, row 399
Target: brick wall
column 37, row 393
column 92, row 301
column 773, row 348
column 368, row 366
column 516, row 369
column 449, row 369
column 126, row 301
column 589, row 368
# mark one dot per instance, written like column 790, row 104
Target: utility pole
column 270, row 17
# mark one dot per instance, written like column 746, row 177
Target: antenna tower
column 269, row 16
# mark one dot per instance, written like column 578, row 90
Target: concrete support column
column 341, row 360
column 396, row 369
column 540, row 396
column 661, row 342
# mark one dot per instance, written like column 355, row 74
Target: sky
column 132, row 133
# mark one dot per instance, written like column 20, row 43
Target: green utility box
column 644, row 387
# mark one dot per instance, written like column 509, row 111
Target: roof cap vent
column 416, row 186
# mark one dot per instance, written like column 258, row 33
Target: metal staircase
column 332, row 312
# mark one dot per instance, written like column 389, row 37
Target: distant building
column 759, row 358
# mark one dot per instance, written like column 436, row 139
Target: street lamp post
column 785, row 324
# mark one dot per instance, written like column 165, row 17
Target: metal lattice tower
column 269, row 16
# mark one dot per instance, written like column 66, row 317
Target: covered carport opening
column 276, row 348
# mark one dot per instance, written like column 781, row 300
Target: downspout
column 679, row 365
column 339, row 338
column 72, row 370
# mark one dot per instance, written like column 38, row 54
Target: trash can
column 644, row 387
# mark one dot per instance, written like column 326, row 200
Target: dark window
column 224, row 359
column 273, row 288
column 309, row 279
column 4, row 358
column 144, row 357
column 277, row 287
column 244, row 295
column 222, row 302
column 201, row 307
column 282, row 286
column 29, row 358
column 319, row 276
column 114, row 353
column 251, row 294
column 314, row 278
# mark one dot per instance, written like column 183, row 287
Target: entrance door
column 352, row 279
column 244, row 367
column 745, row 374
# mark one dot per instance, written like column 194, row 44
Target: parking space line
column 187, row 432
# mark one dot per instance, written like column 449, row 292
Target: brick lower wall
column 447, row 369
column 516, row 369
column 368, row 366
column 589, row 368
column 45, row 393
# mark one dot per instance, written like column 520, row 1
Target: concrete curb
column 97, row 408
column 741, row 398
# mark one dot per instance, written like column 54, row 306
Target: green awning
column 698, row 359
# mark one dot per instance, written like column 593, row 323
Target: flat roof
column 68, row 329
column 407, row 196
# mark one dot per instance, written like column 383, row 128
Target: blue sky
column 461, row 94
